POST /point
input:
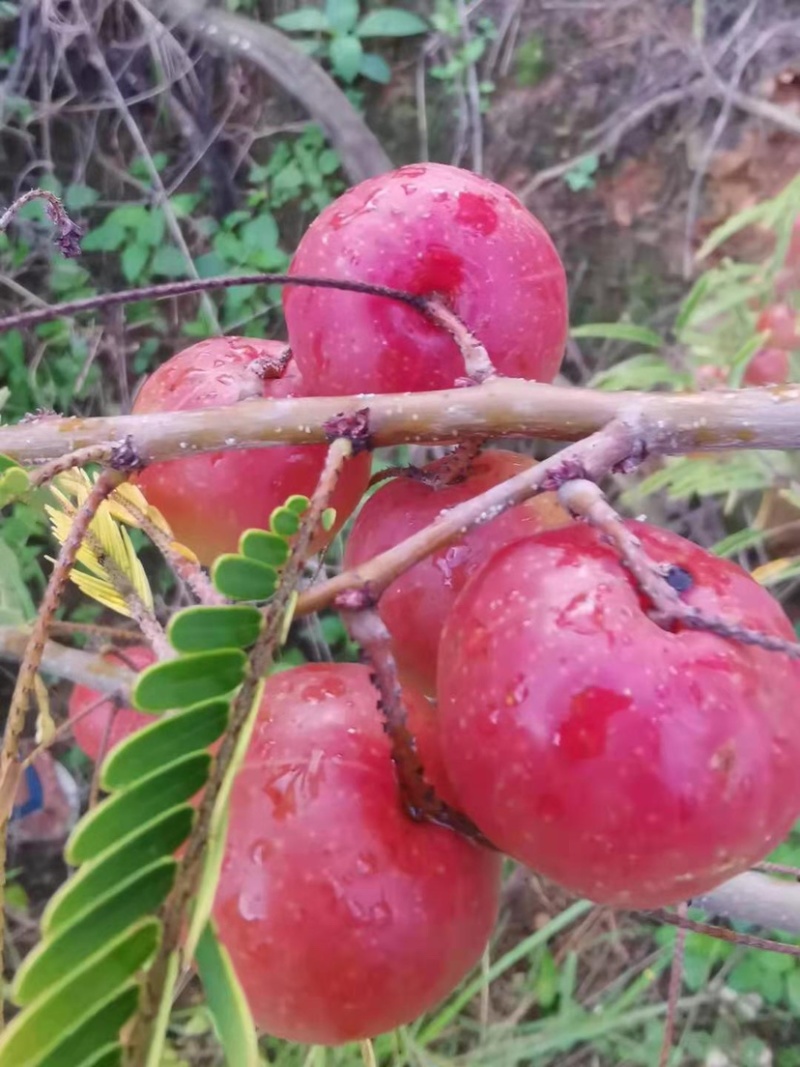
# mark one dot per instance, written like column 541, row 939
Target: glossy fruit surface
column 209, row 500
column 781, row 322
column 343, row 917
column 425, row 229
column 637, row 767
column 415, row 606
column 90, row 727
column 769, row 366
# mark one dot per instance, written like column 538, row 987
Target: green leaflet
column 114, row 866
column 229, row 1010
column 205, row 629
column 189, row 679
column 41, row 1028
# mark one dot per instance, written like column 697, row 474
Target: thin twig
column 186, row 569
column 68, row 234
column 674, row 993
column 418, row 796
column 478, row 366
column 81, row 457
column 26, row 319
column 721, row 933
column 586, row 499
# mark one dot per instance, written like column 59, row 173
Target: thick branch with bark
column 668, row 423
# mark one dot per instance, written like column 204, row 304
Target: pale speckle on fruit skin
column 685, row 777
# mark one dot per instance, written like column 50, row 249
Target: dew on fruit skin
column 259, row 851
column 253, row 904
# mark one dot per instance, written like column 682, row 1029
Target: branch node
column 125, row 456
column 354, row 427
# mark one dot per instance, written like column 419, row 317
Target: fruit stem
column 478, row 367
column 659, row 584
column 418, row 797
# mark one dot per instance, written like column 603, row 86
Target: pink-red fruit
column 211, row 499
column 415, row 606
column 635, row 765
column 430, row 230
column 342, row 916
column 90, row 712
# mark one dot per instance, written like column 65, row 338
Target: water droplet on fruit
column 518, row 692
column 259, row 852
column 455, row 556
column 366, row 863
column 253, row 903
column 380, row 914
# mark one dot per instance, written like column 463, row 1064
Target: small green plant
column 531, row 61
column 464, row 53
column 336, row 33
column 582, row 175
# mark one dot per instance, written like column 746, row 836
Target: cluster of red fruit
column 634, row 764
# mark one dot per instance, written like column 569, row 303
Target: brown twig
column 734, row 937
column 68, row 235
column 478, row 367
column 27, row 319
column 585, row 499
column 595, row 456
column 81, row 457
column 32, row 659
column 674, row 992
column 83, row 668
column 419, row 798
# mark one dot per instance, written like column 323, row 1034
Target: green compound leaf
column 104, row 919
column 114, row 866
column 124, row 812
column 83, row 1040
column 226, row 1001
column 187, row 680
column 264, row 547
column 165, row 741
column 241, row 578
column 34, row 1034
column 204, row 629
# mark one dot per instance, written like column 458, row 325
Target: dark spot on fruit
column 680, row 579
column 477, row 213
column 584, row 733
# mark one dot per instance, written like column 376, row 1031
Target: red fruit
column 635, row 766
column 415, row 606
column 209, row 500
column 425, row 229
column 89, row 727
column 769, row 366
column 343, row 917
column 780, row 320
